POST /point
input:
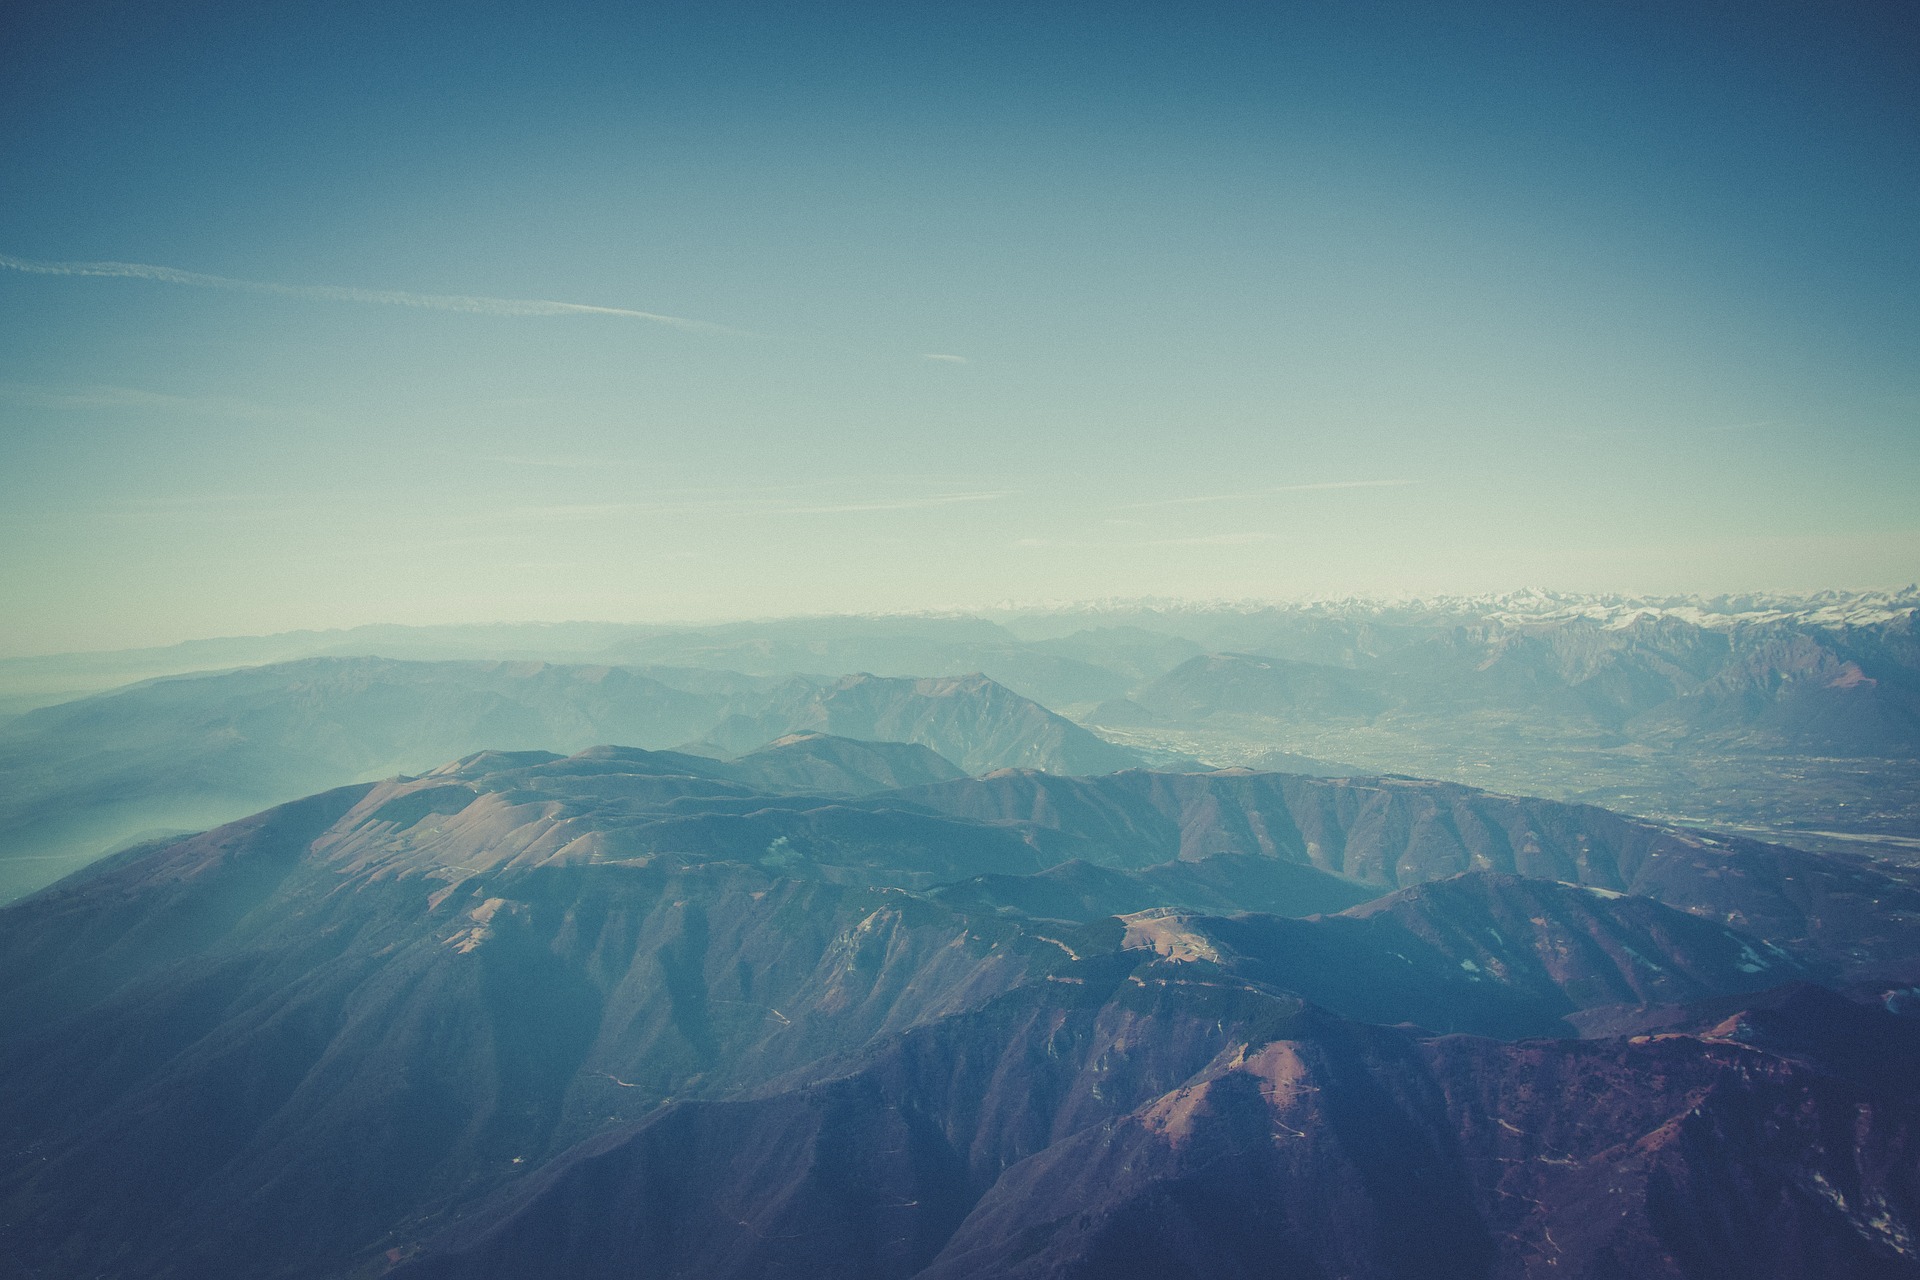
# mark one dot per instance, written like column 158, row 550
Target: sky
column 319, row 315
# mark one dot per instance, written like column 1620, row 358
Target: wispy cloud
column 573, row 511
column 1242, row 539
column 147, row 511
column 1253, row 494
column 1211, row 540
column 935, row 355
column 1187, row 502
column 472, row 305
column 893, row 504
column 573, row 462
column 748, row 502
column 475, row 524
column 135, row 399
column 1342, row 484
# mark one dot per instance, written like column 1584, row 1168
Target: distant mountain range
column 1528, row 604
column 971, row 720
column 704, row 959
column 1062, row 655
column 1773, row 687
column 648, row 1012
column 184, row 753
column 1795, row 718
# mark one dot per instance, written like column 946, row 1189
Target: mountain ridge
column 189, row 752
column 313, row 1042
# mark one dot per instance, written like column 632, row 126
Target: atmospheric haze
column 315, row 319
column 959, row 642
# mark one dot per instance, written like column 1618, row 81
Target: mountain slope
column 1463, row 1158
column 1077, row 1144
column 1482, row 954
column 270, row 1043
column 1245, row 685
column 186, row 753
column 899, row 646
column 823, row 764
column 972, row 721
column 1766, row 714
column 1774, row 686
column 1395, row 832
column 530, row 1014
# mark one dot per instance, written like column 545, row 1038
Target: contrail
column 341, row 293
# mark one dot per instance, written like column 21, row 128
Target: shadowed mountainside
column 530, row 1014
column 1302, row 1143
column 1392, row 832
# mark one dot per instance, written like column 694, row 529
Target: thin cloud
column 1242, row 539
column 135, row 399
column 574, row 511
column 563, row 461
column 935, row 355
column 471, row 305
column 207, row 509
column 1201, row 499
column 892, row 504
column 1210, row 540
column 1609, row 435
column 1188, row 502
column 1342, row 484
column 739, row 503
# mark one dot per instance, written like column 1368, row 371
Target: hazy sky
column 1041, row 301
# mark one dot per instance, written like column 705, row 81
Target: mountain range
column 1791, row 717
column 183, row 753
column 1169, row 941
column 649, row 1012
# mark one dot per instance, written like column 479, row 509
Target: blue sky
column 997, row 302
